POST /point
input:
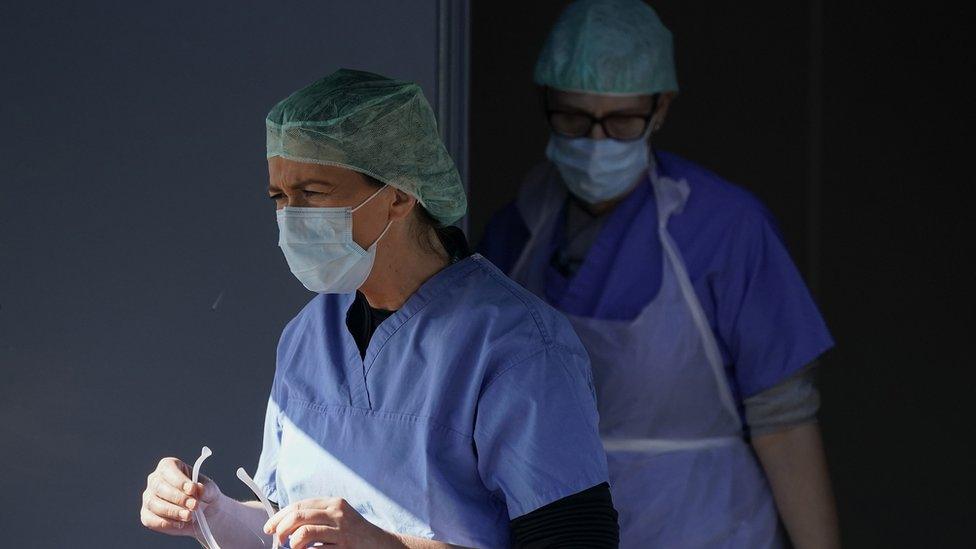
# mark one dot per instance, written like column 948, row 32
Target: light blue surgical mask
column 318, row 245
column 597, row 170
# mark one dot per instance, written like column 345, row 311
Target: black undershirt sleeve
column 584, row 519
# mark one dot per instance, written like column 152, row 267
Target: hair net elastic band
column 370, row 124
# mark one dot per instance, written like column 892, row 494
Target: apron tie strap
column 661, row 445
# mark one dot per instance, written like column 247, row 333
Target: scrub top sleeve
column 536, row 432
column 266, row 473
column 766, row 315
column 504, row 238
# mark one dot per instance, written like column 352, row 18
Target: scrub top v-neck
column 473, row 405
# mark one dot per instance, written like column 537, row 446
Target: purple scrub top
column 764, row 318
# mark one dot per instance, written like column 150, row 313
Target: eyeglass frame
column 594, row 120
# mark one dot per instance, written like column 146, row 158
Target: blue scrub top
column 759, row 308
column 474, row 405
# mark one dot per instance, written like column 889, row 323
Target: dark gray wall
column 846, row 119
column 896, row 234
column 141, row 288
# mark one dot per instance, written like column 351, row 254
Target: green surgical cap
column 374, row 125
column 608, row 46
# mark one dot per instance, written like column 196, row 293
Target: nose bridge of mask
column 617, row 150
column 622, row 144
column 316, row 216
column 648, row 130
column 596, row 153
column 596, row 170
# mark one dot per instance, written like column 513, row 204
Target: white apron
column 681, row 473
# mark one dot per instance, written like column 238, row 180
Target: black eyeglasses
column 625, row 127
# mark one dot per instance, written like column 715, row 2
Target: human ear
column 661, row 110
column 402, row 204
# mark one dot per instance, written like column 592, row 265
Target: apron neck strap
column 670, row 194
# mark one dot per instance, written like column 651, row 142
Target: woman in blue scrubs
column 698, row 325
column 422, row 398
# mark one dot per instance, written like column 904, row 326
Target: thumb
column 207, row 490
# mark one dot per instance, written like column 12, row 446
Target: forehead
column 597, row 103
column 283, row 171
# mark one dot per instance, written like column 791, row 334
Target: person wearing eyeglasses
column 422, row 398
column 699, row 327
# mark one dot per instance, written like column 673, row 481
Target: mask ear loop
column 388, row 225
column 246, row 479
column 201, row 519
column 382, row 234
column 363, row 203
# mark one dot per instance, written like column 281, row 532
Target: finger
column 168, row 511
column 173, row 472
column 308, row 534
column 287, row 523
column 298, row 518
column 170, row 493
column 206, row 490
column 272, row 523
column 176, row 473
column 313, row 503
column 201, row 493
column 159, row 524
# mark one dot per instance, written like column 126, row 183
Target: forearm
column 796, row 467
column 237, row 524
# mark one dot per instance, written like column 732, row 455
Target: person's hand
column 330, row 521
column 170, row 499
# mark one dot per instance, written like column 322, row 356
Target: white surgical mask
column 318, row 245
column 597, row 170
